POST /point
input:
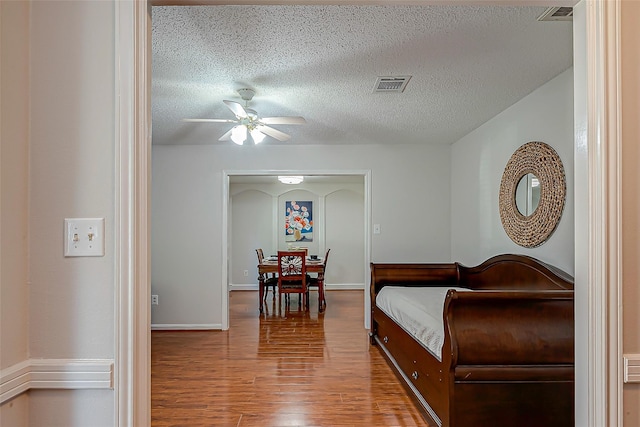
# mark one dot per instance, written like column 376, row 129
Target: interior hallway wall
column 58, row 138
column 14, row 193
column 630, row 13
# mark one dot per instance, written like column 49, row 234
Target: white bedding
column 418, row 310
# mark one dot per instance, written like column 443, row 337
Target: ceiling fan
column 249, row 123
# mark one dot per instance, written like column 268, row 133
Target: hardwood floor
column 294, row 368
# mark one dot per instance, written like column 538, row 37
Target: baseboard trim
column 344, row 287
column 55, row 374
column 186, row 327
column 248, row 287
column 329, row 287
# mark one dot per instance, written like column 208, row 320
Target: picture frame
column 298, row 223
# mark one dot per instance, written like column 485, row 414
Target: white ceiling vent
column 557, row 14
column 391, row 84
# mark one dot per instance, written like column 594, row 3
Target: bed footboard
column 510, row 328
column 511, row 358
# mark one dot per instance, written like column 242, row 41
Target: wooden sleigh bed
column 506, row 347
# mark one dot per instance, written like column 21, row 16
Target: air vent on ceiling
column 557, row 14
column 391, row 84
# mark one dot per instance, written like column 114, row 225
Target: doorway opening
column 133, row 322
column 253, row 178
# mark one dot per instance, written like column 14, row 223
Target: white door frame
column 366, row 174
column 598, row 297
column 601, row 259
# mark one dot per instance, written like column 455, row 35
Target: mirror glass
column 528, row 194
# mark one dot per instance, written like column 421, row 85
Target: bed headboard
column 514, row 272
column 508, row 271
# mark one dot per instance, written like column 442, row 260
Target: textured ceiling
column 321, row 62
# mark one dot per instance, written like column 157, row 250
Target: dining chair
column 292, row 276
column 312, row 281
column 269, row 282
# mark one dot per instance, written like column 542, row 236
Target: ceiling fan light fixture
column 296, row 179
column 248, row 122
column 239, row 134
column 257, row 136
column 246, row 94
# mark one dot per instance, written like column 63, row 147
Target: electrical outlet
column 154, row 299
column 246, row 273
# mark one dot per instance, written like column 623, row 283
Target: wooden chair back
column 326, row 258
column 269, row 280
column 292, row 272
column 312, row 281
column 260, row 255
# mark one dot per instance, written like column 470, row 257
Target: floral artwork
column 298, row 222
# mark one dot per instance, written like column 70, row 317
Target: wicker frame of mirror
column 541, row 160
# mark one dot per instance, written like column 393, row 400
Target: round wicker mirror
column 541, row 161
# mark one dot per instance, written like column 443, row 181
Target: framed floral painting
column 298, row 223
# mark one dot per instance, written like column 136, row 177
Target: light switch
column 632, row 368
column 376, row 228
column 83, row 237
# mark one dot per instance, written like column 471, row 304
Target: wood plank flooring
column 294, row 368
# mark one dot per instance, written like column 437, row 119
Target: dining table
column 270, row 265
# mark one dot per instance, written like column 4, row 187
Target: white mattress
column 419, row 311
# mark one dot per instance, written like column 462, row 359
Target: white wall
column 251, row 227
column 187, row 200
column 344, row 217
column 72, row 175
column 72, row 158
column 14, row 291
column 477, row 164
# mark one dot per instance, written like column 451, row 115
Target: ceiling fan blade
column 274, row 133
column 226, row 136
column 236, row 108
column 289, row 120
column 210, row 120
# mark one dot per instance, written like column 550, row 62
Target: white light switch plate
column 632, row 368
column 83, row 237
